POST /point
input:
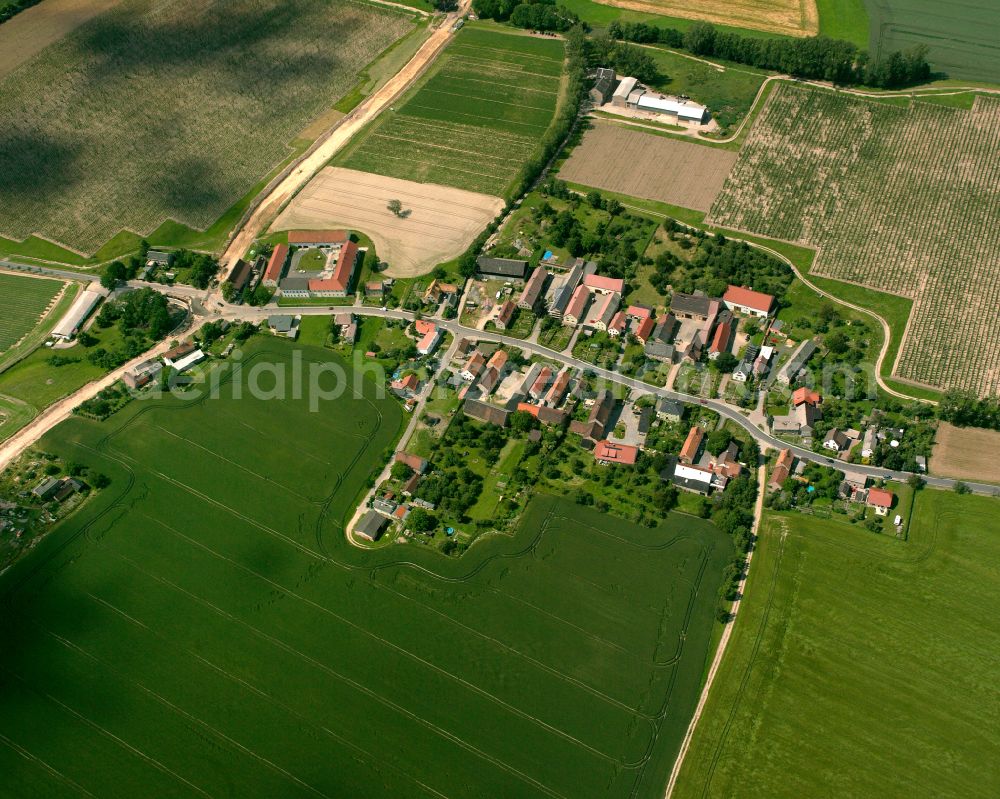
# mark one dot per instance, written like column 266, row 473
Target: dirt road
column 338, row 136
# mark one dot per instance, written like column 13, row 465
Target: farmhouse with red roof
column 744, row 300
column 606, row 452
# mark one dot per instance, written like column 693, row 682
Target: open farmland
column 964, row 38
column 171, row 110
column 440, row 225
column 203, row 627
column 24, row 300
column 966, row 453
column 901, row 199
column 474, row 121
column 629, row 161
column 790, row 17
column 861, row 665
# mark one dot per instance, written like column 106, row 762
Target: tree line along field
column 861, row 665
column 964, row 40
column 474, row 121
column 899, row 198
column 171, row 110
column 202, row 627
column 25, row 299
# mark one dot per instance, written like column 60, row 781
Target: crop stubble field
column 965, row 453
column 171, row 109
column 439, row 225
column 861, row 665
column 790, row 17
column 474, row 121
column 964, row 38
column 641, row 164
column 203, row 628
column 901, row 199
column 24, row 301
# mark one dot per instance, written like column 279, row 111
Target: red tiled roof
column 316, row 236
column 880, row 497
column 803, row 394
column 737, row 295
column 498, row 360
column 276, row 262
column 423, row 327
column 690, row 449
column 617, row 322
column 342, row 272
column 558, row 387
column 602, row 283
column 616, row 453
column 639, row 312
column 645, row 329
column 721, row 337
column 505, row 312
column 578, row 302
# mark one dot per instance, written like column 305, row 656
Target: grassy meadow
column 24, row 300
column 202, row 627
column 474, row 120
column 157, row 111
column 861, row 665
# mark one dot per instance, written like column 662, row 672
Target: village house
column 141, row 375
column 782, row 469
column 371, row 525
column 532, row 292
column 607, row 452
column 836, row 441
column 415, row 462
column 745, row 301
column 504, row 315
column 473, row 366
column 670, row 409
column 276, row 265
column 881, row 500
column 692, row 446
column 577, row 306
column 484, row 412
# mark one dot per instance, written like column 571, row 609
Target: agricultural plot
column 171, row 110
column 24, row 300
column 618, row 159
column 901, row 199
column 861, row 665
column 475, row 121
column 789, row 17
column 964, row 42
column 204, row 628
column 439, row 222
column 965, row 453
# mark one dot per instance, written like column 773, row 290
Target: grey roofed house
column 371, row 525
column 46, row 488
column 659, row 351
column 281, row 323
column 693, row 305
column 533, row 289
column 645, row 420
column 160, row 257
column 670, row 409
column 485, row 412
column 564, row 291
column 665, row 327
column 502, row 267
column 384, row 506
column 603, row 86
column 835, row 440
column 296, row 284
column 795, row 363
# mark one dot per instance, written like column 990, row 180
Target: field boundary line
column 31, row 757
column 720, row 651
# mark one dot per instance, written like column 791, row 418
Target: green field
column 157, row 111
column 728, row 94
column 964, row 38
column 861, row 665
column 844, row 19
column 475, row 119
column 900, row 199
column 24, row 301
column 202, row 627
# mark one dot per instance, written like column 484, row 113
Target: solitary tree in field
column 396, row 207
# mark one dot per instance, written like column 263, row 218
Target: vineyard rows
column 172, row 109
column 25, row 299
column 474, row 121
column 902, row 199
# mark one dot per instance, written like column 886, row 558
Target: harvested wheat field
column 902, row 199
column 966, row 453
column 645, row 165
column 437, row 222
column 790, row 17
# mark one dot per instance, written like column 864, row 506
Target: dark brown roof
column 485, row 412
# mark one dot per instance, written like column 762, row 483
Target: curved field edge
column 136, row 550
column 836, row 618
column 893, row 309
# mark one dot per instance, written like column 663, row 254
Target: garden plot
column 171, row 109
column 901, row 199
column 617, row 159
column 437, row 223
column 474, row 121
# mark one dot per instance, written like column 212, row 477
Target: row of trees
column 814, row 57
column 539, row 15
column 9, row 9
column 965, row 409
